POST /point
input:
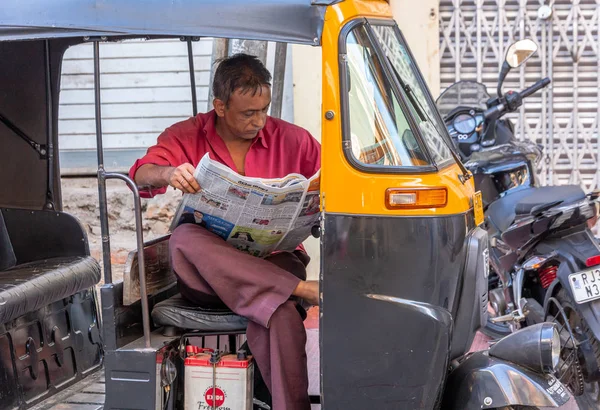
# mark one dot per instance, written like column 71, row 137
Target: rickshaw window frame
column 432, row 167
column 444, row 131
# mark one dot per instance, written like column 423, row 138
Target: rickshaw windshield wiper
column 39, row 148
column 424, row 116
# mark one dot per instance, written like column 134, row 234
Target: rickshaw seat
column 47, row 259
column 31, row 286
column 179, row 313
column 7, row 253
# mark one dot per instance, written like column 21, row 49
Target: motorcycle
column 544, row 259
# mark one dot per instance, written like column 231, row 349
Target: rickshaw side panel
column 389, row 285
column 49, row 331
column 49, row 349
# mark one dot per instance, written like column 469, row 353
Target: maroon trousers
column 210, row 271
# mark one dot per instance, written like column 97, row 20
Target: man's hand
column 182, row 178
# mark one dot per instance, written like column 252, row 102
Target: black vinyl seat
column 44, row 258
column 31, row 286
column 503, row 212
column 177, row 312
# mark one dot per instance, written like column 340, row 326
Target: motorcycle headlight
column 536, row 347
column 555, row 348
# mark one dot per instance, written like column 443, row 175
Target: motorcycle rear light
column 593, row 261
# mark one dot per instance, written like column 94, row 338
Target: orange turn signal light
column 411, row 198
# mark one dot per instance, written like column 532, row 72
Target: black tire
column 495, row 330
column 590, row 399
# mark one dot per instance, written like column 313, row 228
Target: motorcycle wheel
column 590, row 399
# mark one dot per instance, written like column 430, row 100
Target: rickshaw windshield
column 379, row 131
column 390, row 123
column 422, row 107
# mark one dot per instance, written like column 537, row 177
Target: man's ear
column 219, row 106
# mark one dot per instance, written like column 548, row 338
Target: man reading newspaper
column 238, row 133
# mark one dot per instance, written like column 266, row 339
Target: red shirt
column 279, row 149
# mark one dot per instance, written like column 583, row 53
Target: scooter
column 544, row 259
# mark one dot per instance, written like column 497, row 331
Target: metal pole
column 522, row 118
column 101, row 171
column 253, row 47
column 575, row 176
column 278, row 79
column 140, row 248
column 597, row 128
column 457, row 61
column 501, row 33
column 544, row 112
column 220, row 50
column 550, row 28
column 479, row 18
column 49, row 128
column 192, row 76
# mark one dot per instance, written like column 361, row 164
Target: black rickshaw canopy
column 293, row 21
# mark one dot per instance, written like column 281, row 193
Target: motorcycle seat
column 502, row 212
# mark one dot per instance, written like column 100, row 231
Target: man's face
column 246, row 113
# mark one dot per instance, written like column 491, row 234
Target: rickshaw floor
column 88, row 394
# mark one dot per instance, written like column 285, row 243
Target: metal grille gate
column 474, row 36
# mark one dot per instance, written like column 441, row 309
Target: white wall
column 418, row 21
column 306, row 61
column 145, row 88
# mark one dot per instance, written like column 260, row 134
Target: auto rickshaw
column 404, row 261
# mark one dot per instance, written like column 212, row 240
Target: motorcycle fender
column 484, row 382
column 589, row 311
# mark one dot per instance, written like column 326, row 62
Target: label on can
column 214, row 396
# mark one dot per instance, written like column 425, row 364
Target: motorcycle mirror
column 517, row 54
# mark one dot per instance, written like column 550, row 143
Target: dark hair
column 239, row 71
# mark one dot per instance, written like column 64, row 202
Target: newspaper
column 255, row 215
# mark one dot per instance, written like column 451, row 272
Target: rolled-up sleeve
column 167, row 152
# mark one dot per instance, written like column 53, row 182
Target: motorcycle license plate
column 585, row 285
column 478, row 208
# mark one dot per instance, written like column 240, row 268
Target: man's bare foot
column 309, row 291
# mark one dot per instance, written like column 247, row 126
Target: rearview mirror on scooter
column 517, row 54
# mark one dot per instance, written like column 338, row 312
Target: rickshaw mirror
column 520, row 51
